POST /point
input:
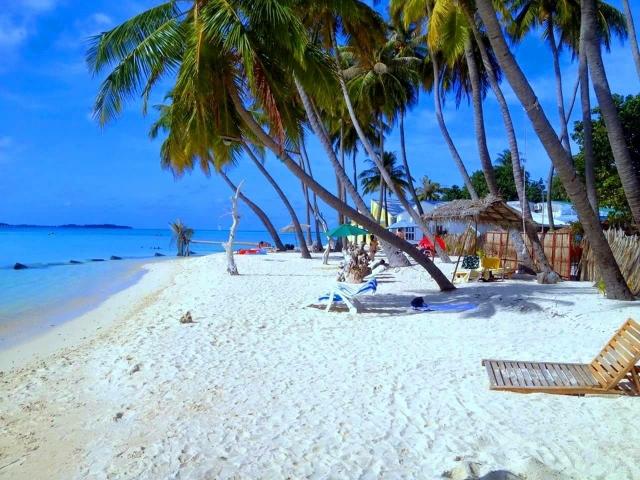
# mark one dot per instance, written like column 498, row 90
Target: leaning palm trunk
column 518, row 174
column 232, row 269
column 405, row 163
column 307, row 202
column 259, row 213
column 564, row 132
column 306, row 167
column 333, row 202
column 317, row 127
column 589, row 156
column 614, row 281
column 437, row 101
column 481, row 139
column 304, row 251
column 633, row 39
column 378, row 161
column 624, row 163
column 478, row 120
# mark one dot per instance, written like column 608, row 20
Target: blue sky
column 57, row 165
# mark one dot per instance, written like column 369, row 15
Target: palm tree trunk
column 380, row 203
column 259, row 213
column 403, row 151
column 518, row 174
column 386, row 208
column 624, row 163
column 485, row 158
column 478, row 120
column 633, row 39
column 321, row 133
column 307, row 202
column 587, row 131
column 305, row 193
column 306, row 167
column 304, row 251
column 355, row 169
column 445, row 131
column 384, row 235
column 437, row 101
column 613, row 279
column 549, row 198
column 564, row 131
column 378, row 160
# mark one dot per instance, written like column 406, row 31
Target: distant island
column 70, row 225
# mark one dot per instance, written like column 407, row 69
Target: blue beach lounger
column 347, row 293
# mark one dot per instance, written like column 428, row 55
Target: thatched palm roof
column 488, row 210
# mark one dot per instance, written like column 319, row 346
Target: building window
column 410, row 233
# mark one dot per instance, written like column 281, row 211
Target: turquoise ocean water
column 53, row 290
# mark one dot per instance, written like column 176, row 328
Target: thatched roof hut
column 486, row 211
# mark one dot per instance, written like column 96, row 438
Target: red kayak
column 251, row 251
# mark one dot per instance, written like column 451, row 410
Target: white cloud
column 5, row 145
column 101, row 19
column 75, row 36
column 12, row 34
column 38, row 6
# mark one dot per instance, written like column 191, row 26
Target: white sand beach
column 259, row 387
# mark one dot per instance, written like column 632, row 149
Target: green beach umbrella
column 346, row 230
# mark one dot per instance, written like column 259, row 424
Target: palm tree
column 547, row 15
column 631, row 28
column 591, row 40
column 266, row 221
column 372, row 181
column 452, row 37
column 220, row 59
column 407, row 42
column 614, row 281
column 182, row 237
column 357, row 20
column 492, row 76
column 178, row 165
column 428, row 190
column 418, row 11
column 292, row 213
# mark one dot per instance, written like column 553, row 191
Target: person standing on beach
column 373, row 247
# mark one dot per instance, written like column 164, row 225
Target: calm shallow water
column 52, row 290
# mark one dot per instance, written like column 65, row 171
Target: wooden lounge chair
column 613, row 371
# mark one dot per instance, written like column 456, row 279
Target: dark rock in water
column 114, row 257
column 74, row 262
column 191, row 252
column 159, row 254
column 20, row 266
column 97, row 259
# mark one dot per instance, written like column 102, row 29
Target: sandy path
column 260, row 388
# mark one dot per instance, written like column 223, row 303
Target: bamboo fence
column 626, row 250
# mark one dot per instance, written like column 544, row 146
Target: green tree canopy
column 608, row 185
column 504, row 177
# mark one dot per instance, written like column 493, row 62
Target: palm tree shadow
column 489, row 298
